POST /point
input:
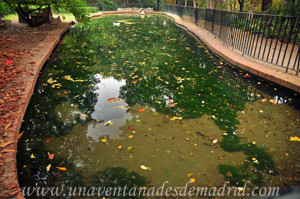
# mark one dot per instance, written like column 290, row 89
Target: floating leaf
column 294, row 139
column 32, row 156
column 192, row 180
column 50, row 156
column 143, row 167
column 83, row 115
column 176, row 118
column 130, row 128
column 108, row 123
column 48, row 167
column 141, row 110
column 129, row 148
column 51, row 81
column 62, row 168
column 112, row 100
column 20, row 135
column 104, row 140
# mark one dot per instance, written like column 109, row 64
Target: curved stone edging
column 9, row 186
column 254, row 66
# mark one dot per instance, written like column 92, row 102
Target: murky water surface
column 134, row 100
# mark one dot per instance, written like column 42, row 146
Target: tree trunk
column 158, row 5
column 209, row 4
column 241, row 2
column 185, row 3
column 194, row 3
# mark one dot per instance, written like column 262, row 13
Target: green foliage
column 92, row 9
column 107, row 5
column 26, row 8
column 4, row 9
column 281, row 7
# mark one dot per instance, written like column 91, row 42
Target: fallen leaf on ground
column 7, row 150
column 7, row 126
column 9, row 62
column 4, row 144
column 141, row 110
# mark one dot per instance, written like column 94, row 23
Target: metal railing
column 271, row 38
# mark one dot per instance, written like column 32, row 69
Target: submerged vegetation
column 162, row 69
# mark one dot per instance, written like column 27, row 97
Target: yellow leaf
column 83, row 115
column 120, row 147
column 108, row 123
column 48, row 167
column 62, row 168
column 294, row 139
column 190, row 174
column 192, row 180
column 32, row 156
column 144, row 167
column 130, row 136
column 104, row 140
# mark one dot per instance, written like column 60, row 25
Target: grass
column 68, row 16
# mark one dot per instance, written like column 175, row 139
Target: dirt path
column 23, row 52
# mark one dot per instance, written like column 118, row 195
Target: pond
column 137, row 101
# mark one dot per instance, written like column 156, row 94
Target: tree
column 28, row 8
column 241, row 2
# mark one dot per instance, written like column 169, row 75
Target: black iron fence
column 271, row 38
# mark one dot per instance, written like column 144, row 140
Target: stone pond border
column 9, row 184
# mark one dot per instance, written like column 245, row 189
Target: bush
column 91, row 9
column 107, row 5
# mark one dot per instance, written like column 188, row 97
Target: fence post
column 213, row 22
column 196, row 16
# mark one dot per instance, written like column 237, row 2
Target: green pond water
column 138, row 101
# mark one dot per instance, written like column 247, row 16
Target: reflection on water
column 144, row 97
